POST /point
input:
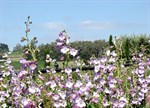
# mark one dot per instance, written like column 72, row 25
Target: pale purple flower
column 115, row 104
column 95, row 100
column 53, row 84
column 121, row 104
column 111, row 85
column 140, row 98
column 103, row 60
column 25, row 102
column 57, row 104
column 47, row 83
column 144, row 90
column 105, row 103
column 49, row 94
column 33, row 66
column 102, row 82
column 68, row 70
column 23, row 61
column 33, row 89
column 135, row 101
column 55, row 97
column 78, row 84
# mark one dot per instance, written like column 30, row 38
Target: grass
column 16, row 64
column 15, row 58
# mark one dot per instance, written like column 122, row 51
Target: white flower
column 60, row 43
column 7, row 73
column 144, row 90
column 53, row 84
column 69, row 84
column 81, row 104
column 4, row 105
column 96, row 95
column 123, row 99
column 113, row 54
column 62, row 94
column 82, row 89
column 5, row 55
column 73, row 52
column 89, row 84
column 7, row 94
column 32, row 89
column 8, row 61
column 67, row 40
column 47, row 83
column 62, row 37
column 96, row 68
column 64, row 49
column 64, row 103
column 108, row 52
column 2, row 99
column 112, row 59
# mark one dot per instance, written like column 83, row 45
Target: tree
column 111, row 44
column 18, row 48
column 4, row 48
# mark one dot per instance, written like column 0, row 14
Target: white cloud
column 95, row 25
column 89, row 24
column 55, row 25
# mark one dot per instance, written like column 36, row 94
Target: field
column 15, row 58
column 116, row 76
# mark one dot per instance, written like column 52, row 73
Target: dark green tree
column 111, row 44
column 4, row 48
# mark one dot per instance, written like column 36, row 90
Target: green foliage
column 18, row 48
column 4, row 48
column 89, row 48
column 135, row 43
column 111, row 44
column 86, row 49
column 127, row 52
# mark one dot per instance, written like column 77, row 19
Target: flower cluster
column 63, row 43
column 111, row 83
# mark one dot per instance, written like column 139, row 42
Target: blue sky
column 82, row 19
